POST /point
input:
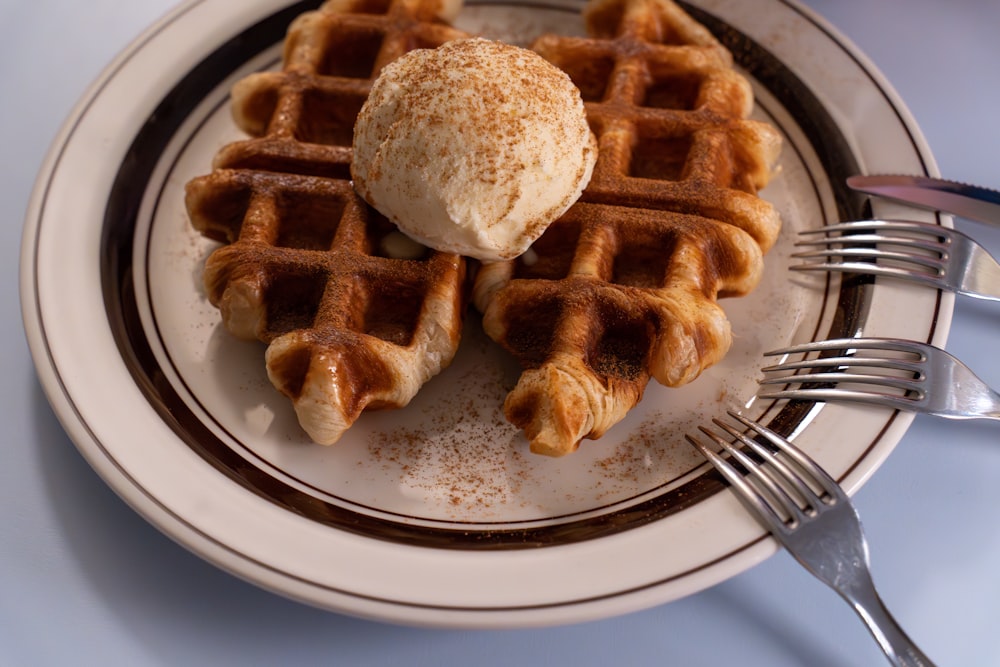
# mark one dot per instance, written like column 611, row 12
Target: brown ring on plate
column 133, row 181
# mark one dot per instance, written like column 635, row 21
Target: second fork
column 888, row 372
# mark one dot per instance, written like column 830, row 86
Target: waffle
column 624, row 286
column 306, row 266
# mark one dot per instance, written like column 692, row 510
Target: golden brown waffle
column 624, row 286
column 308, row 267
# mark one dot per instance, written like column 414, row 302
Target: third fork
column 812, row 517
column 889, row 372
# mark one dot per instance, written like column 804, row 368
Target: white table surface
column 84, row 580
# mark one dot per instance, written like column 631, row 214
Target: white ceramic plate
column 435, row 514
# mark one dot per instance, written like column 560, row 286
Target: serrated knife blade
column 937, row 194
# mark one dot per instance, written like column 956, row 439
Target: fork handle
column 897, row 646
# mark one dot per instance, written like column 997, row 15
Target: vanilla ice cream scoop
column 474, row 147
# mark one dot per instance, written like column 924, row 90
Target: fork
column 812, row 517
column 925, row 253
column 888, row 372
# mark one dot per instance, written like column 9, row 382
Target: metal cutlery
column 888, row 372
column 937, row 194
column 921, row 252
column 812, row 517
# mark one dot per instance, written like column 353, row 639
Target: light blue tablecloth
column 84, row 580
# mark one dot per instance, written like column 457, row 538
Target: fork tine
column 928, row 229
column 904, row 384
column 891, row 401
column 850, row 361
column 872, row 269
column 869, row 240
column 935, row 263
column 891, row 344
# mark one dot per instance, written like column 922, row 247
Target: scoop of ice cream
column 474, row 147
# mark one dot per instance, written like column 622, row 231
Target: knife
column 936, row 194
